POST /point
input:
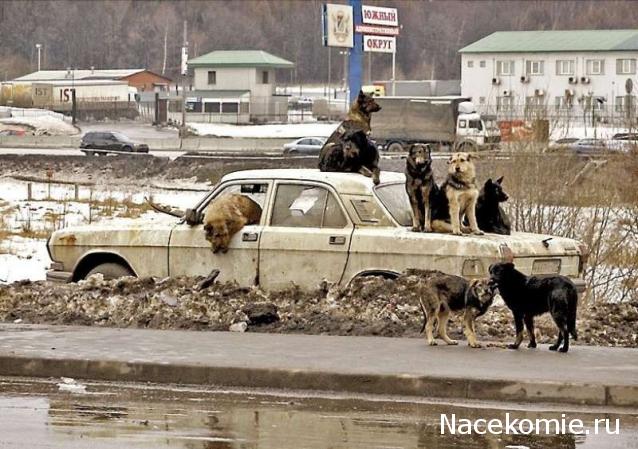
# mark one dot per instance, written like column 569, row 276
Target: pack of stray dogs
column 457, row 206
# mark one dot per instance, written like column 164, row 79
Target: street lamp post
column 39, row 48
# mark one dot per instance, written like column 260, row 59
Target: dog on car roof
column 419, row 184
column 457, row 197
column 225, row 216
column 446, row 293
column 348, row 149
column 490, row 216
column 531, row 296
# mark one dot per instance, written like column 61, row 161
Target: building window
column 598, row 105
column 564, row 102
column 212, row 107
column 504, row 104
column 481, row 100
column 470, row 64
column 535, row 67
column 620, row 104
column 564, row 67
column 625, row 66
column 505, row 68
column 482, row 64
column 595, row 66
column 230, row 108
column 212, row 77
column 264, row 77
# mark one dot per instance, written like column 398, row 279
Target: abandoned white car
column 314, row 226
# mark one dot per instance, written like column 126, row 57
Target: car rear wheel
column 110, row 271
column 127, row 148
column 395, row 147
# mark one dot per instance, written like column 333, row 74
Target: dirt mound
column 370, row 306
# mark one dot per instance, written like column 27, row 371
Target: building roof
column 212, row 94
column 555, row 41
column 95, row 74
column 82, row 82
column 240, row 58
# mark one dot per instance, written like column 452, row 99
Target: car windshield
column 395, row 199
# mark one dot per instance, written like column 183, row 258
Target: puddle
column 35, row 414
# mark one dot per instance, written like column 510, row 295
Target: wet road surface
column 36, row 414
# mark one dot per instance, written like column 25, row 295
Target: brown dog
column 419, row 184
column 225, row 216
column 457, row 197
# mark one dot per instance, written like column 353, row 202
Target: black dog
column 419, row 184
column 489, row 214
column 530, row 296
column 354, row 130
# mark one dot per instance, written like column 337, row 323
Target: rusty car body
column 314, row 227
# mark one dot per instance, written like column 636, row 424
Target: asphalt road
column 38, row 413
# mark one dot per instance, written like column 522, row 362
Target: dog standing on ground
column 530, row 296
column 456, row 197
column 445, row 293
column 225, row 216
column 337, row 156
column 490, row 217
column 419, row 184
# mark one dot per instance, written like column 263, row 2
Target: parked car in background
column 110, row 142
column 305, row 145
column 562, row 144
column 597, row 147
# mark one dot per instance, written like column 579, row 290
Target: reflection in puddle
column 138, row 417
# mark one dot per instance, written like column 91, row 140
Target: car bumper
column 60, row 277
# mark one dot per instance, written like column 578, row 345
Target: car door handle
column 337, row 240
column 249, row 237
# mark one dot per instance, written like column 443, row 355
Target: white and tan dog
column 225, row 216
column 457, row 197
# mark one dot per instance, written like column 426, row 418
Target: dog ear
column 361, row 95
column 472, row 156
column 449, row 161
column 499, row 181
column 488, row 182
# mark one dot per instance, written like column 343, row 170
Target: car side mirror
column 192, row 217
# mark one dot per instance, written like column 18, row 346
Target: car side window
column 255, row 191
column 306, row 206
column 304, row 142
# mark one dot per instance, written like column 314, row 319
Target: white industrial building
column 556, row 74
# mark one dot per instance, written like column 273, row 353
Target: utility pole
column 184, row 75
column 329, row 79
column 39, row 48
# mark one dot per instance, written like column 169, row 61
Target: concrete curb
column 404, row 385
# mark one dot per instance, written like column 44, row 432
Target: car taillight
column 507, row 255
column 583, row 256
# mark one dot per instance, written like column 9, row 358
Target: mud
column 370, row 306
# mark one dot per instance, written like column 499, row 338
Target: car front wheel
column 110, row 271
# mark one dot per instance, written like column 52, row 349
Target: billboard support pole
column 394, row 70
column 356, row 55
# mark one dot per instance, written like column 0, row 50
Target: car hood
column 137, row 232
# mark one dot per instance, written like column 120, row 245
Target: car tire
column 395, row 147
column 89, row 153
column 110, row 270
column 127, row 148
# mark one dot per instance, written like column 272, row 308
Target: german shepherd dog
column 419, row 184
column 337, row 156
column 447, row 293
column 530, row 296
column 225, row 216
column 456, row 197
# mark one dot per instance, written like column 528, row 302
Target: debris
column 238, row 327
column 261, row 313
column 72, row 386
column 208, row 281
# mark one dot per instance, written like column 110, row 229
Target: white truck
column 314, row 226
column 448, row 122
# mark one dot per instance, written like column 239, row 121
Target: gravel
column 369, row 306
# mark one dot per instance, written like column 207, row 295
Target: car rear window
column 395, row 199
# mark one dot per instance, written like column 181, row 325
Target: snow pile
column 284, row 131
column 42, row 125
column 8, row 111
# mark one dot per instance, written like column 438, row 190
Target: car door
column 306, row 239
column 191, row 254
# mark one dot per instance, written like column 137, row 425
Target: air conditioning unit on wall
column 572, row 80
column 584, row 80
column 496, row 81
column 507, row 93
column 539, row 92
column 524, row 79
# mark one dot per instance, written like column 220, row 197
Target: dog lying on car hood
column 225, row 216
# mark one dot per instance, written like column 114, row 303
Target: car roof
column 352, row 183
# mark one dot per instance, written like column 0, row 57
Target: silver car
column 305, row 145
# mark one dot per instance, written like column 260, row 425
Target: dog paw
column 427, row 229
column 531, row 345
column 512, row 346
column 457, row 233
column 478, row 232
column 475, row 345
column 432, row 343
column 563, row 349
column 416, row 229
column 452, row 342
column 553, row 347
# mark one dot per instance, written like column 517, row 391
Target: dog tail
column 425, row 316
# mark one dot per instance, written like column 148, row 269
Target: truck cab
column 474, row 131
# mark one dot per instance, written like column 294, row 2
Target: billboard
column 338, row 21
column 381, row 44
column 377, row 15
